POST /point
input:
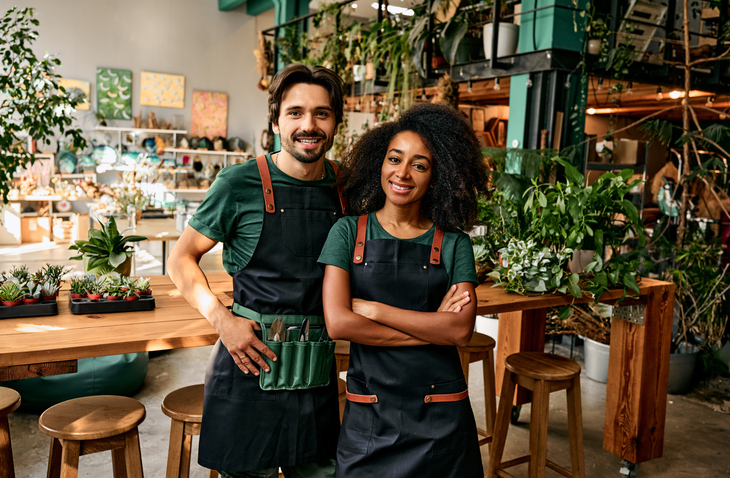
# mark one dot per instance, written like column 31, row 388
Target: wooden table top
column 156, row 229
column 174, row 324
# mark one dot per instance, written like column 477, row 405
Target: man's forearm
column 192, row 283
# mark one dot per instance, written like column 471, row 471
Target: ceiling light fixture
column 591, row 111
column 395, row 10
column 354, row 5
column 675, row 94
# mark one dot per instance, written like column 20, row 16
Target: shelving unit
column 120, row 130
column 225, row 154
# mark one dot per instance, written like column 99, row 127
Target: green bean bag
column 110, row 375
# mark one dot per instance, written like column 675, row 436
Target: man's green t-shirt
column 457, row 255
column 233, row 210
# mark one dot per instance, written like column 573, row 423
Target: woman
column 399, row 285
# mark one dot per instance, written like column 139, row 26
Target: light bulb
column 528, row 82
column 496, row 84
column 591, row 111
column 600, row 84
column 710, row 100
column 630, row 88
column 468, row 86
column 659, row 95
column 675, row 94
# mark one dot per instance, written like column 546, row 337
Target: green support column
column 543, row 30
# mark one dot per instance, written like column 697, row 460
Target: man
column 273, row 216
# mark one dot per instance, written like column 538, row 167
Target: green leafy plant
column 31, row 290
column 528, row 266
column 79, row 286
column 53, row 273
column 142, row 284
column 10, row 291
column 31, row 102
column 20, row 272
column 97, row 286
column 106, row 247
column 113, row 288
column 49, row 289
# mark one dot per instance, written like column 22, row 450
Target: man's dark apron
column 408, row 412
column 245, row 428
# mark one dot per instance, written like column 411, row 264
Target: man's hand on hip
column 238, row 335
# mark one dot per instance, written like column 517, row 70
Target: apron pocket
column 299, row 365
column 357, row 422
column 448, row 421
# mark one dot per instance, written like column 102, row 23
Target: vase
column 594, row 46
column 581, row 258
column 506, row 40
column 124, row 269
column 596, row 360
column 681, row 369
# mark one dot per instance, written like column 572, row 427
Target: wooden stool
column 9, row 402
column 481, row 348
column 543, row 374
column 342, row 355
column 185, row 407
column 86, row 425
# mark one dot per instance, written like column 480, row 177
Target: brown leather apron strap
column 438, row 239
column 361, row 398
column 446, row 397
column 266, row 184
column 340, row 191
column 362, row 227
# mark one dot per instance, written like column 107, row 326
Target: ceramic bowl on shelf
column 194, row 140
column 67, row 162
column 205, row 143
column 220, row 143
column 86, row 162
column 104, row 154
column 236, row 144
column 183, row 143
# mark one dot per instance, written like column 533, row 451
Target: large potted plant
column 702, row 287
column 106, row 250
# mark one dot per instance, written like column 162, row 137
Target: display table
column 158, row 230
column 636, row 395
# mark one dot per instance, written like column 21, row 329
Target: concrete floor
column 695, row 442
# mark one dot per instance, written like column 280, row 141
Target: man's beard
column 306, row 156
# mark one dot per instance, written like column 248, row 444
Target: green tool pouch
column 299, row 365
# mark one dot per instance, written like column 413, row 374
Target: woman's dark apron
column 408, row 412
column 245, row 428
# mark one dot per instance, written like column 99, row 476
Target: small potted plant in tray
column 10, row 293
column 78, row 288
column 49, row 291
column 53, row 274
column 21, row 273
column 130, row 295
column 113, row 291
column 31, row 292
column 142, row 286
column 95, row 289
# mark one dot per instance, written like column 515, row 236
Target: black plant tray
column 86, row 306
column 29, row 310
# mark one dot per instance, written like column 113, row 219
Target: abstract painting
column 210, row 114
column 159, row 89
column 77, row 87
column 114, row 93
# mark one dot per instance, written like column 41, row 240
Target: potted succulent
column 31, row 292
column 53, row 274
column 49, row 290
column 113, row 290
column 78, row 288
column 106, row 249
column 130, row 294
column 142, row 286
column 20, row 273
column 95, row 289
column 10, row 293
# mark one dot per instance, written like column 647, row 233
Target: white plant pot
column 507, row 40
column 594, row 46
column 581, row 258
column 596, row 362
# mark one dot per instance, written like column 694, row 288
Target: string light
column 468, row 86
column 357, row 106
column 496, row 84
column 591, row 111
column 710, row 100
column 424, row 96
column 600, row 84
column 630, row 88
column 675, row 94
column 528, row 83
column 659, row 95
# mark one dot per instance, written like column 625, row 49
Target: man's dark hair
column 313, row 75
column 459, row 170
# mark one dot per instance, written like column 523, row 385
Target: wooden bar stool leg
column 212, row 474
column 187, row 445
column 174, row 453
column 54, row 459
column 490, row 394
column 501, row 425
column 133, row 454
column 575, row 429
column 70, row 459
column 119, row 463
column 539, row 429
column 465, row 357
column 7, row 468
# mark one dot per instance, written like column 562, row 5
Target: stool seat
column 87, row 425
column 9, row 401
column 479, row 343
column 185, row 404
column 542, row 366
column 90, row 418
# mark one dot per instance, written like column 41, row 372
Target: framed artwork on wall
column 160, row 89
column 114, row 93
column 77, row 87
column 210, row 114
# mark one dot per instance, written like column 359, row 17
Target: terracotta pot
column 49, row 298
column 113, row 297
column 31, row 301
column 95, row 297
column 144, row 292
column 131, row 297
column 8, row 303
column 78, row 296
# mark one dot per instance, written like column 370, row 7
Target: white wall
column 212, row 49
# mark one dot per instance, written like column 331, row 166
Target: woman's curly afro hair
column 459, row 171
